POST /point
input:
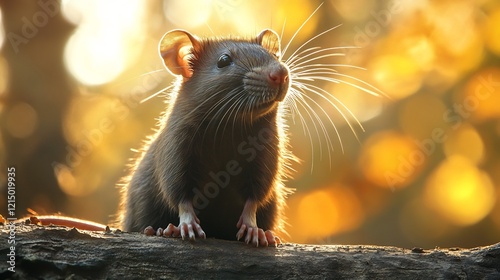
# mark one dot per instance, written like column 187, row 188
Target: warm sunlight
column 393, row 111
column 319, row 214
column 465, row 141
column 391, row 160
column 460, row 192
column 103, row 45
column 480, row 98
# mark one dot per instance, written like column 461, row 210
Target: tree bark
column 57, row 252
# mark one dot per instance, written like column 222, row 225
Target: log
column 49, row 252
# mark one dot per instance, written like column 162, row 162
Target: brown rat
column 216, row 165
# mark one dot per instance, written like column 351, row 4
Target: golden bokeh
column 102, row 46
column 397, row 75
column 481, row 95
column 354, row 10
column 68, row 183
column 460, row 192
column 292, row 14
column 423, row 163
column 420, row 115
column 182, row 13
column 458, row 52
column 21, row 120
column 362, row 106
column 2, row 30
column 321, row 213
column 4, row 77
column 391, row 160
column 491, row 32
column 90, row 134
column 465, row 142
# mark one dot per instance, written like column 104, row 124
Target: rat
column 217, row 163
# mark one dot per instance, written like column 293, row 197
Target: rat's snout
column 278, row 78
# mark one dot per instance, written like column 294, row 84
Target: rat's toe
column 263, row 238
column 171, row 231
column 272, row 239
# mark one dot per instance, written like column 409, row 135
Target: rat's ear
column 175, row 49
column 270, row 40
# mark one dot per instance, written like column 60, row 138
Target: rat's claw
column 262, row 238
column 249, row 237
column 256, row 236
column 240, row 233
column 189, row 224
column 248, row 223
column 200, row 231
column 191, row 230
column 187, row 231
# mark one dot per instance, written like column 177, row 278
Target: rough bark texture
column 55, row 253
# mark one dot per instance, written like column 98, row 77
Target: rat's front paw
column 190, row 230
column 257, row 236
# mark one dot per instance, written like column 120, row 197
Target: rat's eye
column 224, row 60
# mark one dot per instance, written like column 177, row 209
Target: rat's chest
column 233, row 159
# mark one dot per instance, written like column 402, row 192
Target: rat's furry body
column 221, row 147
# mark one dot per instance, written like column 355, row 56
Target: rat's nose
column 278, row 76
column 278, row 79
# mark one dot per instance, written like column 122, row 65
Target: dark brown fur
column 206, row 132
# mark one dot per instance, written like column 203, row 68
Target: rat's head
column 243, row 76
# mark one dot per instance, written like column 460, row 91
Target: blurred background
column 425, row 171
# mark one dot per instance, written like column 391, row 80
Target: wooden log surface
column 56, row 252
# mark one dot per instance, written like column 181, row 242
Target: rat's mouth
column 264, row 109
column 276, row 95
column 282, row 91
column 265, row 106
column 264, row 100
